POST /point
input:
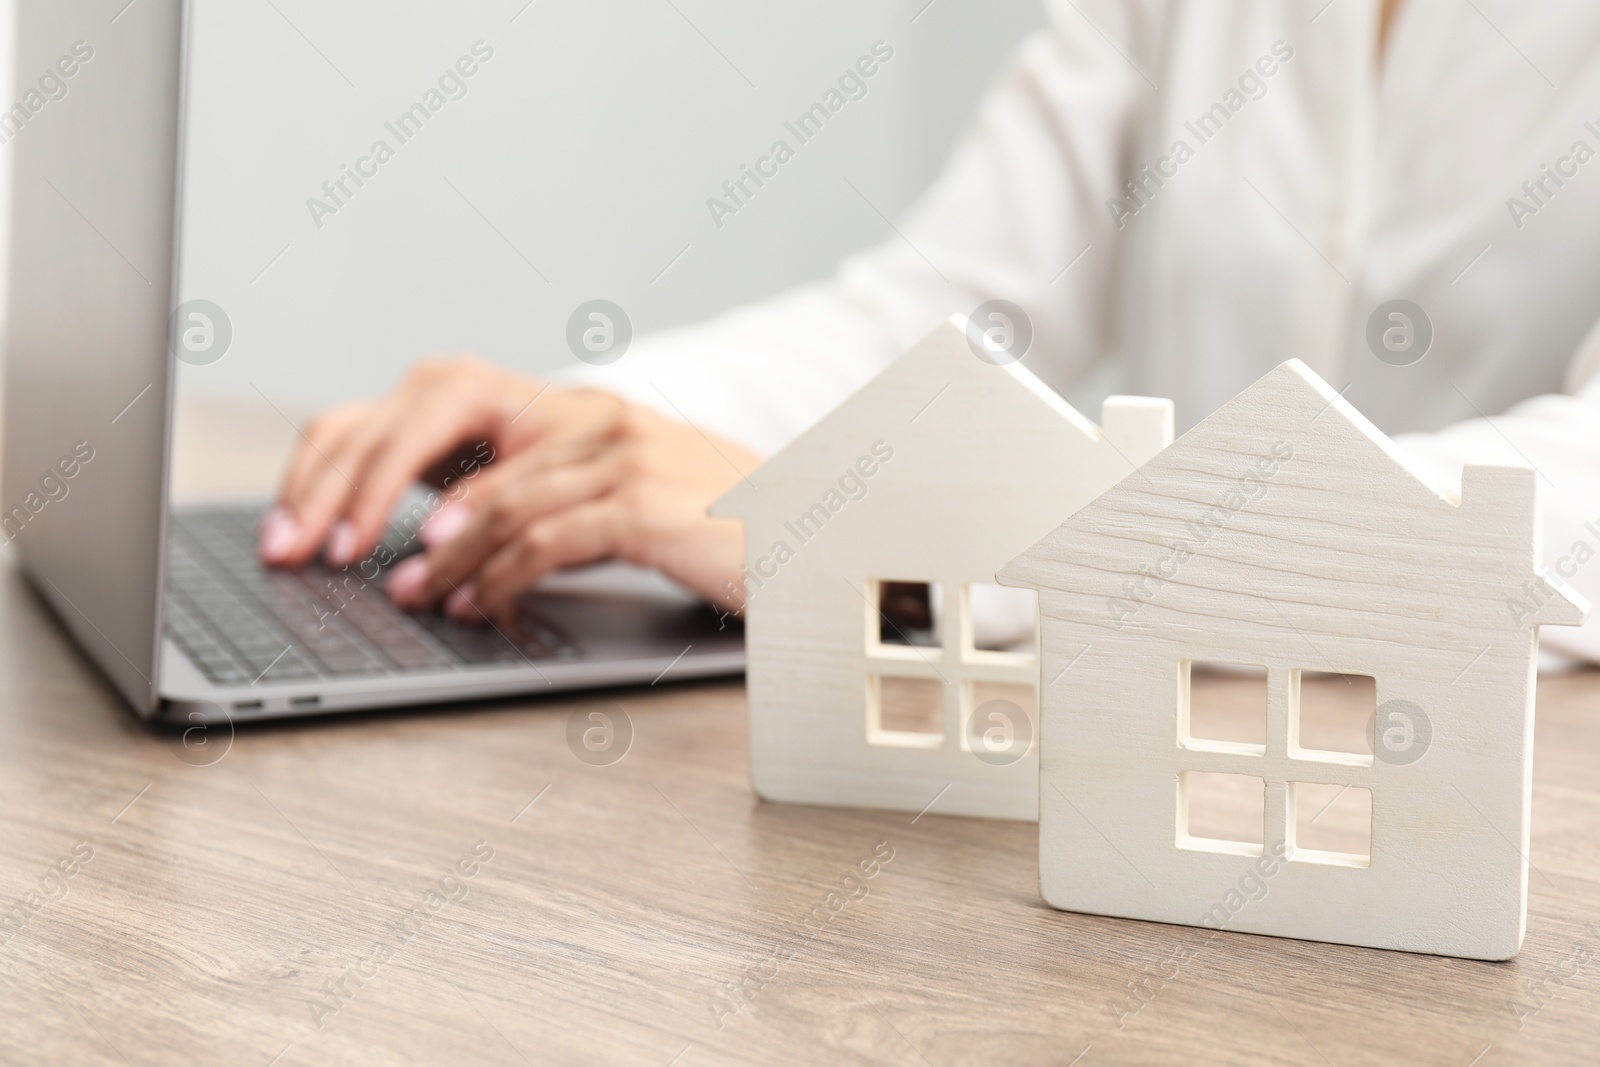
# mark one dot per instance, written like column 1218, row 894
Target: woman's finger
column 585, row 533
column 332, row 483
column 280, row 533
column 490, row 481
column 469, row 492
column 502, row 516
column 428, row 433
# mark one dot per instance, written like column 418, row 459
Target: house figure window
column 1294, row 768
column 930, row 670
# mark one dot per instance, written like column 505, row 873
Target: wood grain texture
column 1285, row 530
column 622, row 907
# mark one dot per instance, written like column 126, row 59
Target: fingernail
column 341, row 549
column 279, row 535
column 458, row 605
column 407, row 579
column 444, row 524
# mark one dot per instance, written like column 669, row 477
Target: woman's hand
column 356, row 461
column 635, row 488
column 576, row 476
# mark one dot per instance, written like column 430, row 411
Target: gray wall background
column 583, row 150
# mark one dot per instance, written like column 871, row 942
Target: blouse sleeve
column 1559, row 435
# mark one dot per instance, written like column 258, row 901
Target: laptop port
column 304, row 702
column 247, row 705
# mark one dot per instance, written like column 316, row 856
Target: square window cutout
column 1333, row 714
column 1221, row 812
column 909, row 613
column 1002, row 619
column 1331, row 824
column 1001, row 730
column 905, row 712
column 1222, row 706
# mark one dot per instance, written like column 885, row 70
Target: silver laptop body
column 173, row 607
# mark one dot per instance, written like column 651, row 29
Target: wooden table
column 267, row 901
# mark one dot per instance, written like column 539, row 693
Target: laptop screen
column 94, row 131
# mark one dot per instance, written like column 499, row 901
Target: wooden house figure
column 1287, row 532
column 938, row 470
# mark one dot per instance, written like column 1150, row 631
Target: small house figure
column 885, row 669
column 1287, row 534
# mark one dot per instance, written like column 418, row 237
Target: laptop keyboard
column 241, row 623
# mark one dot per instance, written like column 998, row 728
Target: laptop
column 172, row 604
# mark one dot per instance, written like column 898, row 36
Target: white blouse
column 1181, row 194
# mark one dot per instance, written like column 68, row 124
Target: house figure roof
column 1286, row 502
column 975, row 425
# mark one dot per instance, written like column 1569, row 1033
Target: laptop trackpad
column 616, row 610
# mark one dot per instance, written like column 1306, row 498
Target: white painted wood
column 940, row 469
column 1287, row 531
